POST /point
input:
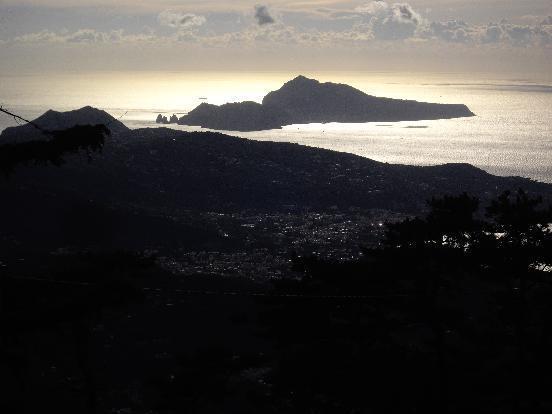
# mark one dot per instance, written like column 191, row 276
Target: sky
column 496, row 36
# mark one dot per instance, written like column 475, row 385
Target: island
column 161, row 119
column 303, row 100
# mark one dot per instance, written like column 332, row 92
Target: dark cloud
column 407, row 13
column 263, row 16
column 520, row 35
column 493, row 34
column 547, row 21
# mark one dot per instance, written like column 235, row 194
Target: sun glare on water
column 509, row 136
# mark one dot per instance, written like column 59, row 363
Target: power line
column 52, row 281
column 17, row 117
column 188, row 292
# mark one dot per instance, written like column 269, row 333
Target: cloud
column 503, row 33
column 456, row 31
column 91, row 36
column 520, row 35
column 493, row 33
column 83, row 36
column 178, row 20
column 263, row 16
column 400, row 21
column 373, row 24
column 374, row 8
column 39, row 37
column 391, row 21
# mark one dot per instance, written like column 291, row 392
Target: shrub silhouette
column 89, row 138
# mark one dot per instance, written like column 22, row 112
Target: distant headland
column 303, row 100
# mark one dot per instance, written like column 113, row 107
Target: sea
column 511, row 134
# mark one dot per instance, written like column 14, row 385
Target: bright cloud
column 178, row 20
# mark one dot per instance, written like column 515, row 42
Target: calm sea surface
column 511, row 134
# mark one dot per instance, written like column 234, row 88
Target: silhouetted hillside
column 304, row 100
column 162, row 173
column 168, row 170
column 53, row 120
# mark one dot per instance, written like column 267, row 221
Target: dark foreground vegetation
column 449, row 312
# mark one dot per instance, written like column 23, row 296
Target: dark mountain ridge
column 303, row 100
column 164, row 168
column 157, row 175
column 54, row 120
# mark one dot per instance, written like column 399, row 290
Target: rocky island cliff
column 303, row 100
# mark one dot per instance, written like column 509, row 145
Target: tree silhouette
column 89, row 138
column 522, row 251
column 435, row 245
column 476, row 283
column 450, row 223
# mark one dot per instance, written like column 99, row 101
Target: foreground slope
column 304, row 100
